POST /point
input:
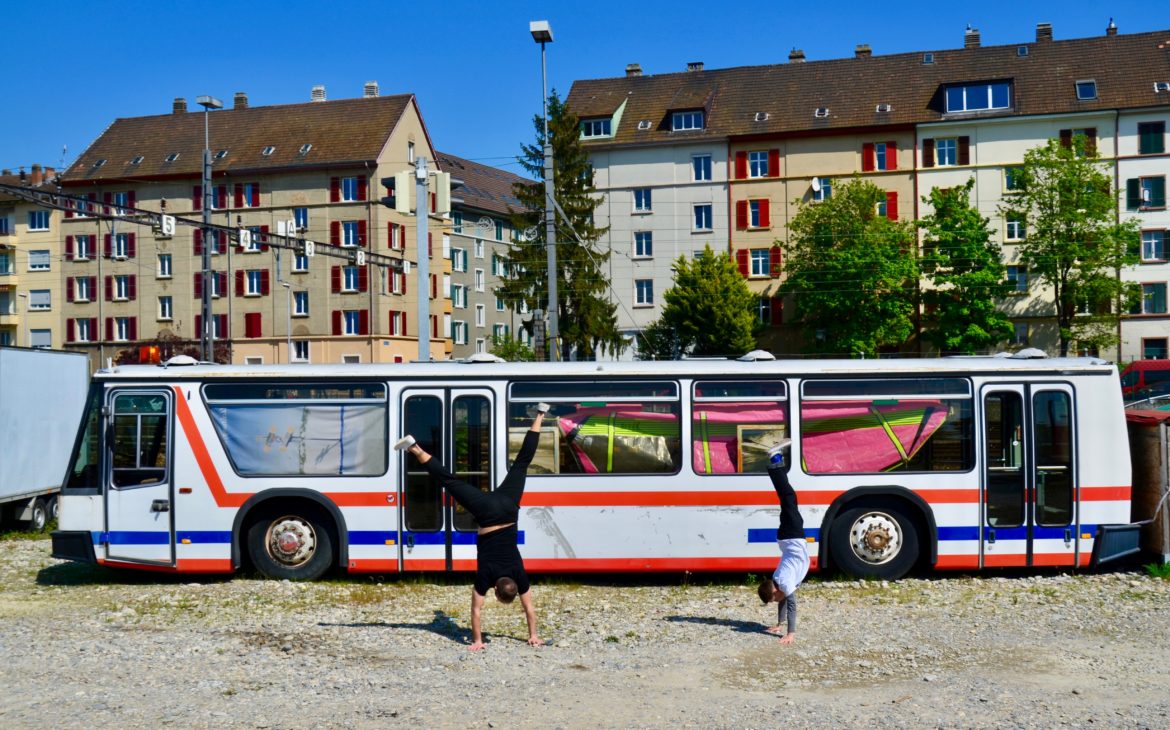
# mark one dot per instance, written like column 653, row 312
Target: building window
column 758, row 164
column 300, row 304
column 1020, row 334
column 458, row 259
column 82, row 289
column 301, row 218
column 1086, row 90
column 701, row 167
column 499, row 230
column 458, row 296
column 41, row 339
column 349, row 233
column 1145, row 192
column 166, row 309
column 38, row 220
column 703, row 221
column 1154, row 246
column 352, row 322
column 300, row 351
column 684, row 121
column 478, row 247
column 300, row 263
column 121, row 329
column 880, row 150
column 946, row 151
column 254, row 283
column 456, row 222
column 978, row 97
column 480, row 315
column 83, row 330
column 121, row 287
column 642, row 201
column 500, row 331
column 644, row 292
column 822, row 188
column 349, row 190
column 83, row 248
column 164, row 266
column 756, row 215
column 410, row 152
column 38, row 260
column 5, row 226
column 459, row 332
column 1013, row 179
column 596, row 128
column 1017, row 277
column 350, row 278
column 760, row 262
column 1154, row 348
column 251, row 195
column 480, row 282
column 1151, row 138
column 643, row 244
column 1154, row 298
column 1014, row 229
column 499, row 303
column 39, row 300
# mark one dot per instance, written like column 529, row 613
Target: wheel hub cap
column 876, row 538
column 291, row 541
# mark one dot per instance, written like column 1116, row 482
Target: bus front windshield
column 84, row 466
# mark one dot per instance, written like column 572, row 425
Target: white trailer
column 42, row 395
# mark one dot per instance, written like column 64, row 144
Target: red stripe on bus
column 714, row 499
column 619, row 565
column 189, row 565
column 359, row 565
column 1018, row 560
column 1105, row 494
column 363, row 499
column 956, row 562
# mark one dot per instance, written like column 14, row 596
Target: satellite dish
column 816, row 184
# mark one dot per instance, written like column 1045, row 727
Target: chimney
column 240, row 101
column 633, row 69
column 971, row 37
column 695, row 66
column 1043, row 32
column 5, row 171
column 1112, row 29
column 796, row 56
column 318, row 93
column 35, row 178
column 370, row 91
column 862, row 51
column 179, row 106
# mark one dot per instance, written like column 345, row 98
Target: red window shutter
column 131, row 199
column 133, row 288
column 221, row 324
column 264, row 282
column 434, row 287
column 109, row 245
column 197, row 197
column 390, row 235
column 928, row 153
column 361, row 233
column 198, row 285
column 69, row 289
column 364, row 279
column 364, row 322
column 221, row 283
column 1066, row 138
column 263, row 238
column 93, row 327
column 198, row 238
column 430, row 245
column 239, row 195
column 892, row 206
column 434, row 326
column 107, row 198
column 361, row 191
column 741, row 259
column 774, row 261
column 741, row 165
column 131, row 244
column 68, row 248
column 434, row 202
column 867, row 157
column 239, row 283
column 335, row 233
column 777, row 311
column 891, row 155
column 773, row 163
column 402, row 315
column 765, row 214
column 221, row 196
column 334, row 191
column 335, row 279
column 256, row 195
column 69, row 330
column 109, row 287
column 199, row 326
column 252, row 324
column 964, row 150
column 68, row 208
column 402, row 236
column 403, row 279
column 132, row 329
column 109, row 328
column 336, row 321
column 741, row 214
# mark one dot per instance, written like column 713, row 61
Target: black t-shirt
column 498, row 557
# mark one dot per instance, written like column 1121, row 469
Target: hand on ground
column 535, row 641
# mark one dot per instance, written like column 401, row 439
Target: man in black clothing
column 498, row 561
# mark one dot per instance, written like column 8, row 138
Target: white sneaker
column 404, row 443
column 543, row 407
column 776, row 455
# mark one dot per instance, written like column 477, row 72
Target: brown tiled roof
column 484, row 188
column 45, row 185
column 1125, row 68
column 341, row 131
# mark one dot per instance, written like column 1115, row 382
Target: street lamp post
column 288, row 316
column 206, row 338
column 542, row 34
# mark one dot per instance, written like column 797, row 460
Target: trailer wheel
column 40, row 515
column 874, row 542
column 54, row 503
column 292, row 545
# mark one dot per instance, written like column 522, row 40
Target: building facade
column 31, row 296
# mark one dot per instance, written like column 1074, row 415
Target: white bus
column 955, row 463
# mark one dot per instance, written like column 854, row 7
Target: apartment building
column 31, row 297
column 906, row 122
column 478, row 244
column 311, row 168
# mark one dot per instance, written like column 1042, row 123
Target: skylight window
column 883, row 108
column 644, row 124
column 137, row 160
column 305, row 148
column 172, row 157
column 99, row 163
column 1021, row 50
column 821, row 112
column 1086, row 90
column 928, row 58
column 268, row 150
column 761, row 116
column 221, row 154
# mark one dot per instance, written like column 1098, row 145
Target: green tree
column 511, row 349
column 709, row 311
column 852, row 272
column 964, row 267
column 1072, row 243
column 587, row 318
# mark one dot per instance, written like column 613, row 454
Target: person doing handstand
column 498, row 561
column 793, row 567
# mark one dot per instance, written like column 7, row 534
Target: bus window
column 473, row 450
column 140, row 439
column 84, row 470
column 1053, row 433
column 735, row 423
column 600, row 428
column 904, row 425
column 279, row 429
column 1004, row 416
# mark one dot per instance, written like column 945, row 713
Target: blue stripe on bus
column 379, row 537
column 768, row 534
column 128, row 537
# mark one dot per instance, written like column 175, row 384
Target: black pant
column 491, row 508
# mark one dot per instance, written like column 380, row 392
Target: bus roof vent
column 756, row 355
column 484, row 357
column 1029, row 353
column 180, row 360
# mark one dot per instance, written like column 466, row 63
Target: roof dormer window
column 1086, row 90
column 268, row 150
column 597, row 127
column 978, row 97
column 686, row 121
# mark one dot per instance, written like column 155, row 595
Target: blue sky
column 74, row 67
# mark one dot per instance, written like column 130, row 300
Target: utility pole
column 207, row 337
column 421, row 216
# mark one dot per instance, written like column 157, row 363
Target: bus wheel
column 40, row 515
column 290, row 546
column 874, row 542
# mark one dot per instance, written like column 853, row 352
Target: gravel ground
column 86, row 646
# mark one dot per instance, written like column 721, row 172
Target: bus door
column 140, row 524
column 1029, row 493
column 455, row 426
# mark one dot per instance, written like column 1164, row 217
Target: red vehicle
column 1141, row 373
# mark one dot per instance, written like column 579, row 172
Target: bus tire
column 291, row 544
column 877, row 541
column 39, row 518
